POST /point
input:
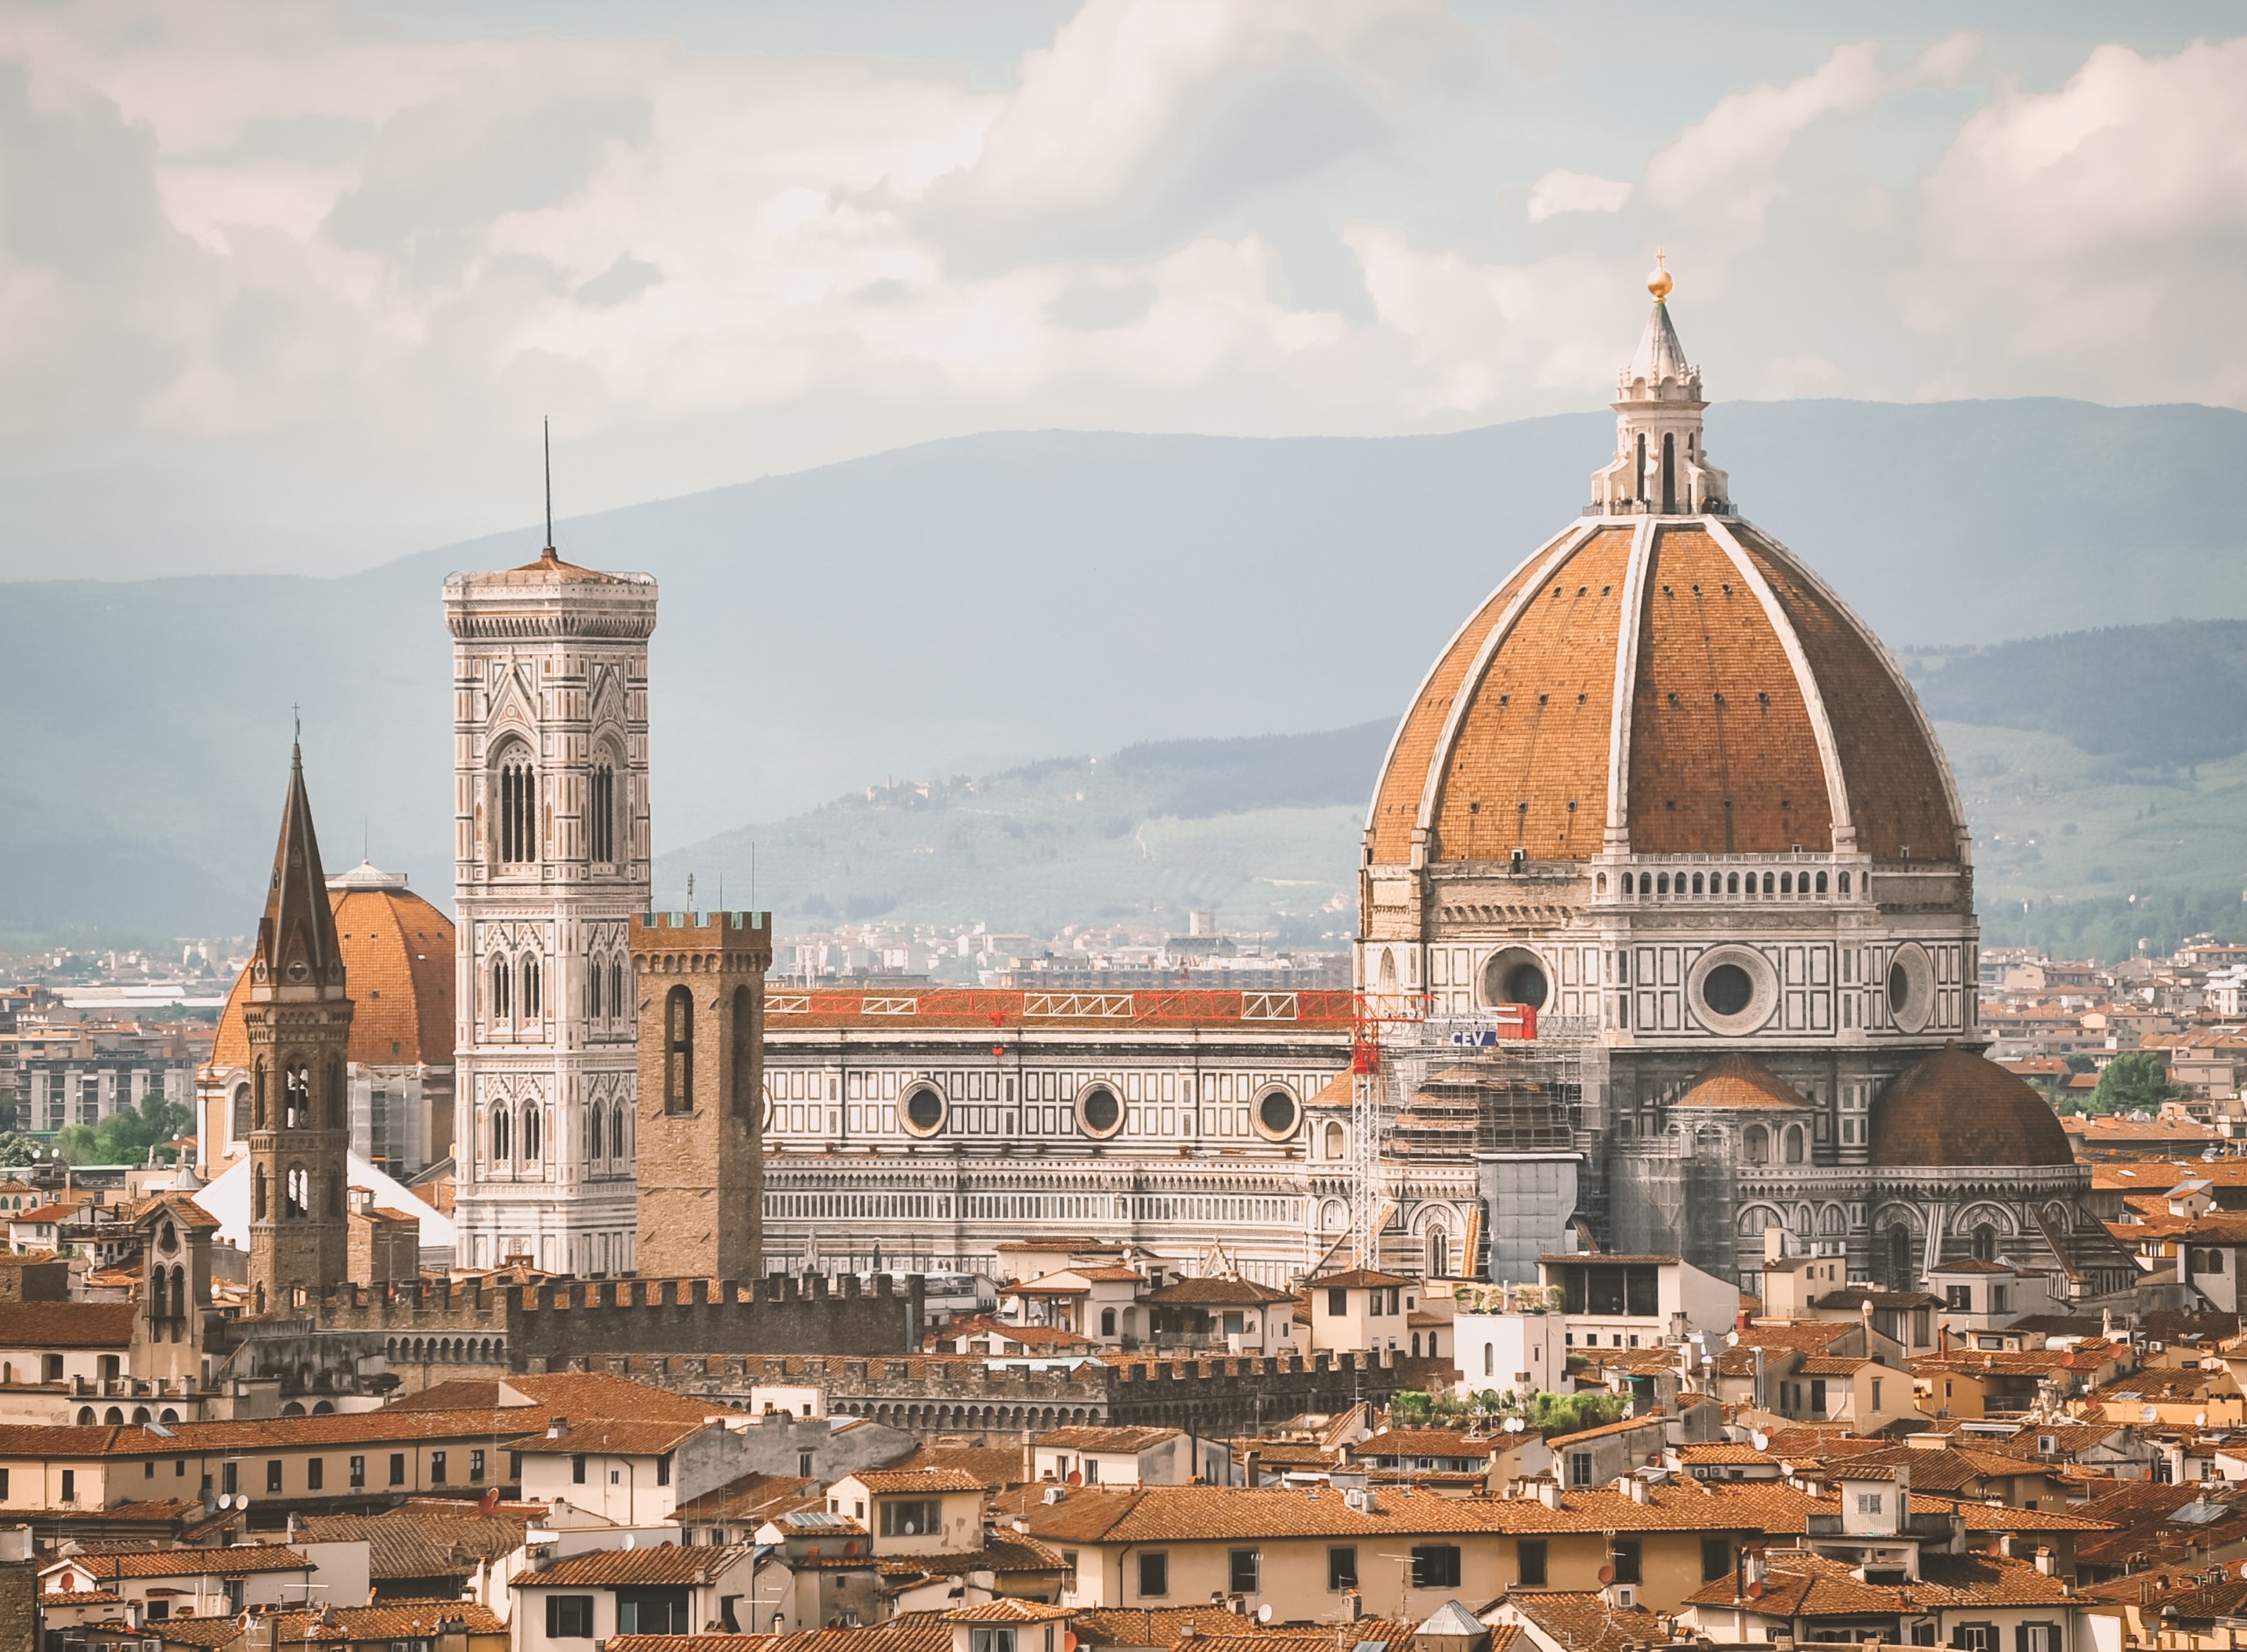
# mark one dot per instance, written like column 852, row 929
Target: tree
column 2134, row 1082
column 15, row 1148
column 126, row 1135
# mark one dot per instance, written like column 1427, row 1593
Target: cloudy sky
column 291, row 284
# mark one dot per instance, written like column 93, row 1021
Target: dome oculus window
column 1733, row 989
column 1099, row 1114
column 922, row 1110
column 1515, row 975
column 1277, row 1114
column 1910, row 987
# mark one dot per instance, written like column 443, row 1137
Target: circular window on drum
column 1733, row 989
column 922, row 1110
column 1910, row 987
column 1099, row 1111
column 1516, row 975
column 1278, row 1113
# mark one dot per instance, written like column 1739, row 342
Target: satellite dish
column 1264, row 1613
column 242, row 1503
column 1755, row 1590
column 1069, row 1640
column 1606, row 1575
column 2200, row 1419
column 2149, row 1414
column 225, row 1500
column 1760, row 1440
column 1513, row 1425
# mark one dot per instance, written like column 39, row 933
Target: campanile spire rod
column 546, row 447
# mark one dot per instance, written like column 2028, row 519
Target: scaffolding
column 1523, row 1077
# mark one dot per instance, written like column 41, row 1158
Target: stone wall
column 962, row 1395
column 439, row 1331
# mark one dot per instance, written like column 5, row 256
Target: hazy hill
column 2108, row 803
column 968, row 607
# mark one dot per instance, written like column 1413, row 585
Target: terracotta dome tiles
column 1956, row 1109
column 1727, row 751
column 1899, row 794
column 1529, row 766
column 1723, row 758
column 1404, row 778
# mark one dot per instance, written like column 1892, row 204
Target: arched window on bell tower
column 296, row 1097
column 601, row 814
column 518, row 807
column 679, row 1051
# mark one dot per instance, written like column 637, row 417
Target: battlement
column 955, row 1393
column 733, row 931
column 546, row 1324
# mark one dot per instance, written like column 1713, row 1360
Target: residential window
column 1240, row 1578
column 229, row 1478
column 1624, row 1552
column 158, row 1611
column 568, row 1617
column 436, row 1468
column 1876, row 1394
column 803, row 1465
column 901, row 1519
column 3, row 1485
column 1337, row 1305
column 1818, row 1396
column 577, row 1468
column 652, row 1611
column 1155, row 1573
column 315, row 1474
column 1716, row 1557
column 397, row 1468
column 273, row 1477
column 1530, row 1551
column 1958, row 1298
column 1373, row 1304
column 1436, row 1565
column 1976, row 1637
column 70, row 1484
column 358, row 1475
column 662, row 1471
column 1580, row 1469
column 985, row 1638
column 2036, row 1637
column 514, row 1467
column 1342, row 1568
column 476, row 1463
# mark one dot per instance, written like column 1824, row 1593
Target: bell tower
column 701, row 1092
column 297, row 1020
column 549, row 726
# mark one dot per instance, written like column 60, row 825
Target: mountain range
column 971, row 606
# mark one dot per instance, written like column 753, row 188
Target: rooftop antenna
column 546, row 444
column 752, row 873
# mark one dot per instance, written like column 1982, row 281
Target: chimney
column 1636, row 1486
column 2044, row 1561
column 556, row 1427
column 1548, row 1493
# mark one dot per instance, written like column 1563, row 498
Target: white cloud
column 2096, row 233
column 1726, row 167
column 1563, row 191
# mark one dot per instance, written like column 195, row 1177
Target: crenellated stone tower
column 550, row 722
column 298, row 1022
column 701, row 1092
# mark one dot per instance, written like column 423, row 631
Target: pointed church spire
column 1661, row 462
column 297, row 936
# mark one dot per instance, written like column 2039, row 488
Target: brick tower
column 298, row 1022
column 701, row 980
